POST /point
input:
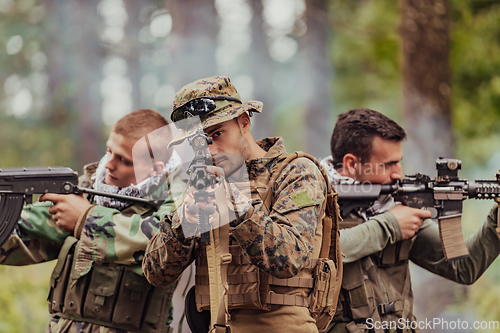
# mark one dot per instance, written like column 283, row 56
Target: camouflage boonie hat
column 215, row 88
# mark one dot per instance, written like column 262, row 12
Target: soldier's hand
column 190, row 212
column 67, row 209
column 409, row 219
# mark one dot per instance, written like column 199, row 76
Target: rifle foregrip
column 11, row 206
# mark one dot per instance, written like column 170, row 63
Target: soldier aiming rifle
column 257, row 260
column 97, row 283
column 379, row 239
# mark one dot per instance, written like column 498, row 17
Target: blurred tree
column 427, row 119
column 192, row 41
column 133, row 48
column 316, row 74
column 261, row 70
column 89, row 51
column 425, row 45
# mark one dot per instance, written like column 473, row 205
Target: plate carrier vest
column 251, row 288
column 376, row 286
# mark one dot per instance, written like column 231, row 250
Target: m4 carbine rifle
column 18, row 185
column 201, row 180
column 443, row 196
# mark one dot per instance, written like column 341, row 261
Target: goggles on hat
column 200, row 106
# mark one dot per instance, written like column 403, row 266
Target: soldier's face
column 384, row 165
column 229, row 147
column 119, row 167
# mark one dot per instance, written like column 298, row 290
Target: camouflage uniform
column 108, row 238
column 281, row 243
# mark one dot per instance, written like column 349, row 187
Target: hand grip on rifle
column 18, row 185
column 443, row 196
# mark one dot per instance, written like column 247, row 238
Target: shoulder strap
column 332, row 217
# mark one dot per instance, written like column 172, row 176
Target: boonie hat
column 214, row 99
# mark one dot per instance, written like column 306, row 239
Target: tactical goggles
column 200, row 106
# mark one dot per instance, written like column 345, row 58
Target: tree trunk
column 316, row 74
column 192, row 40
column 425, row 37
column 133, row 49
column 89, row 55
column 261, row 68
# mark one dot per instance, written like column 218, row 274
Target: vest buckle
column 387, row 308
column 218, row 328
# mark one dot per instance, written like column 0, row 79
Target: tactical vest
column 376, row 286
column 316, row 287
column 114, row 297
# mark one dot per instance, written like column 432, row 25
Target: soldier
column 273, row 247
column 379, row 241
column 97, row 283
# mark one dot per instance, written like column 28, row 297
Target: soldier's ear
column 350, row 163
column 244, row 122
column 157, row 168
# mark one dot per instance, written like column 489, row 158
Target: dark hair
column 354, row 132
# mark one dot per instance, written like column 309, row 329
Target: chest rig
column 114, row 297
column 316, row 287
column 376, row 287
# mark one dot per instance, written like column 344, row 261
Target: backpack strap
column 267, row 195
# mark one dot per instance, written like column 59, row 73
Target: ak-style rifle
column 18, row 185
column 442, row 195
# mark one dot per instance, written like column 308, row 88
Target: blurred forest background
column 70, row 69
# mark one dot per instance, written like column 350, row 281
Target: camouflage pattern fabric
column 225, row 110
column 108, row 237
column 279, row 243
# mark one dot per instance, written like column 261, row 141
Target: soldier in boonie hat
column 214, row 99
column 273, row 244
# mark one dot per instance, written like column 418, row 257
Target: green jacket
column 108, row 238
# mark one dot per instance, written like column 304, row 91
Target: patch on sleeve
column 302, row 199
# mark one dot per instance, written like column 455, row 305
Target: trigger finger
column 52, row 210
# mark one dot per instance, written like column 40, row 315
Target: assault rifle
column 18, row 185
column 443, row 196
column 201, row 180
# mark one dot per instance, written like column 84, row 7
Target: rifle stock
column 18, row 185
column 443, row 196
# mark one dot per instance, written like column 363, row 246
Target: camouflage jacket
column 108, row 237
column 280, row 243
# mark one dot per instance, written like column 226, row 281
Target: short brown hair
column 354, row 131
column 137, row 124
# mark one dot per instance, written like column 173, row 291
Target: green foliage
column 365, row 56
column 23, row 294
column 475, row 64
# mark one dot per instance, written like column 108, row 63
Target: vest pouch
column 58, row 284
column 131, row 300
column 244, row 282
column 73, row 300
column 323, row 298
column 244, row 287
column 356, row 291
column 324, row 272
column 101, row 295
